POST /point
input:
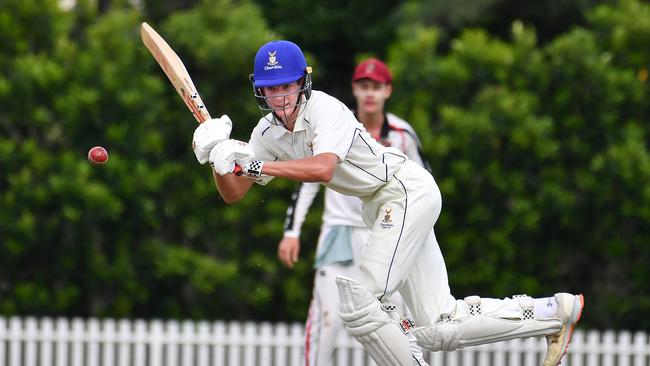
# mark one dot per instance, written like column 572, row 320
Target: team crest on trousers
column 387, row 221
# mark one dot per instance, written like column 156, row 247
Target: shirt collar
column 278, row 130
column 300, row 124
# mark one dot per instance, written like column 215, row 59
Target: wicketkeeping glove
column 208, row 135
column 224, row 156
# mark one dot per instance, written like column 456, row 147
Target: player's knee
column 445, row 335
column 371, row 326
column 360, row 310
column 438, row 337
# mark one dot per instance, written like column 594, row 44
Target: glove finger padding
column 208, row 135
column 243, row 153
column 224, row 156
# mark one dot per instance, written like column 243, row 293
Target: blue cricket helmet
column 278, row 62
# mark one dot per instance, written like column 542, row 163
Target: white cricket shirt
column 345, row 210
column 326, row 125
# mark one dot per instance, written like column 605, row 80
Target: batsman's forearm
column 231, row 187
column 319, row 168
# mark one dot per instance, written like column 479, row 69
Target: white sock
column 545, row 307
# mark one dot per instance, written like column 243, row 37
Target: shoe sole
column 575, row 317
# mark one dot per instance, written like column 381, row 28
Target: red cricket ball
column 97, row 155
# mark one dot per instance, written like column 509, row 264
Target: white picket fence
column 77, row 342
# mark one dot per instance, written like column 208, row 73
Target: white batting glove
column 208, row 135
column 224, row 156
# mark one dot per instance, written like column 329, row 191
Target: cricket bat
column 175, row 71
column 173, row 67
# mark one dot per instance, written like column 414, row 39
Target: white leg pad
column 406, row 325
column 371, row 326
column 480, row 321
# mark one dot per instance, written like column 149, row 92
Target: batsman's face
column 283, row 99
column 371, row 95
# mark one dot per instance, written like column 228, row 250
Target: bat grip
column 237, row 171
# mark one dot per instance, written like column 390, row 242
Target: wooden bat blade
column 175, row 71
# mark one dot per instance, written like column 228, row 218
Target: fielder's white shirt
column 326, row 125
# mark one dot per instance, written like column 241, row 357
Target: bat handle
column 237, row 171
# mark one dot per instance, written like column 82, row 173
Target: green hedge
column 541, row 152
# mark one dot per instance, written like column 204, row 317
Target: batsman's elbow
column 231, row 196
column 324, row 169
column 229, row 199
column 319, row 173
column 327, row 174
column 232, row 188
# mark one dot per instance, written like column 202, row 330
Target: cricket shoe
column 569, row 311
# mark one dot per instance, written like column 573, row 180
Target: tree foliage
column 540, row 149
column 540, row 152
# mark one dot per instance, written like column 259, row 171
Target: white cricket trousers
column 323, row 321
column 402, row 253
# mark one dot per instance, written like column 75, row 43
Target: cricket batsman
column 343, row 232
column 310, row 136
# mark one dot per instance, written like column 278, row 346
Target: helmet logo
column 273, row 62
column 272, row 59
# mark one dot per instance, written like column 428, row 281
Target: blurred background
column 533, row 114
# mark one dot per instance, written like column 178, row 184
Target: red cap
column 372, row 69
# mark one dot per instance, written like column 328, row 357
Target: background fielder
column 310, row 136
column 343, row 231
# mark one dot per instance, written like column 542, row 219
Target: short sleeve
column 335, row 127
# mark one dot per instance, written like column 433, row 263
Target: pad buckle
column 473, row 305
